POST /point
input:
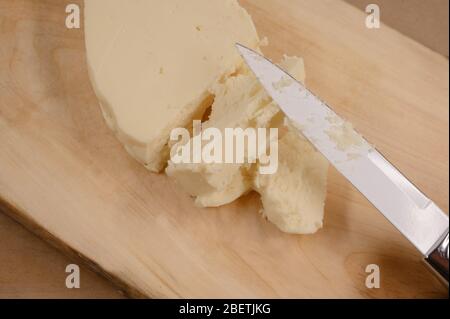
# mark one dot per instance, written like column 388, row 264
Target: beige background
column 426, row 21
column 30, row 268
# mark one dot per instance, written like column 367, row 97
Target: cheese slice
column 153, row 64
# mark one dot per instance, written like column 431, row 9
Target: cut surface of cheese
column 153, row 64
column 240, row 102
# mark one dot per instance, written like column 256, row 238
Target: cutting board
column 65, row 176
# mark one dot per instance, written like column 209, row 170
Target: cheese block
column 239, row 102
column 158, row 65
column 153, row 64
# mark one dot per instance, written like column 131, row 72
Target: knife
column 418, row 218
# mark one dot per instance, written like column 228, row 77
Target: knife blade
column 417, row 217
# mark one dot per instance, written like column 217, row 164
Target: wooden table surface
column 342, row 66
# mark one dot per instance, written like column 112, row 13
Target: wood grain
column 64, row 172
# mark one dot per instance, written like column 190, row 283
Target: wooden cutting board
column 64, row 175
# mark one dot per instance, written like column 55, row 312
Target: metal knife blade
column 407, row 208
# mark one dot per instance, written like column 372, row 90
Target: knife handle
column 438, row 259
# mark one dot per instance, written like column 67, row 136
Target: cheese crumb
column 344, row 136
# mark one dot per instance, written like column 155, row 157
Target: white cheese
column 153, row 63
column 158, row 65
